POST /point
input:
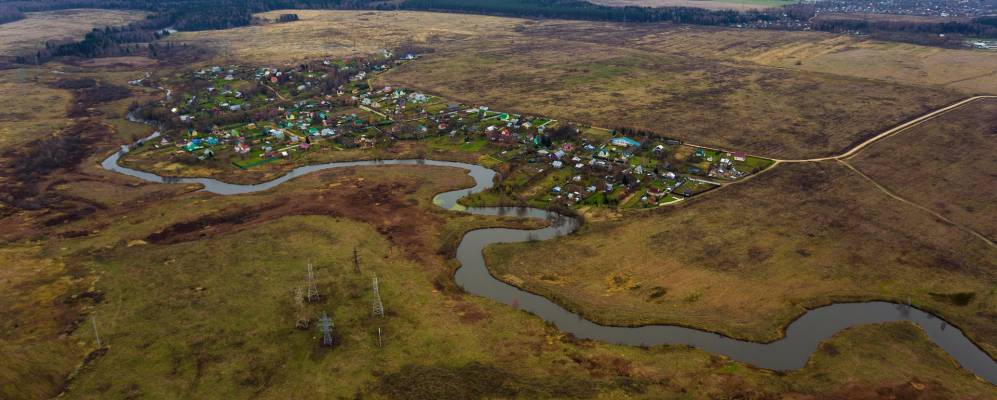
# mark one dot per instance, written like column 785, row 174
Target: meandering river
column 791, row 352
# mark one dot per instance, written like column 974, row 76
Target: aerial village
column 240, row 118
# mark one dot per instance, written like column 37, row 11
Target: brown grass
column 32, row 32
column 207, row 313
column 748, row 259
column 712, row 100
column 29, row 111
column 969, row 71
column 707, row 4
column 945, row 164
column 334, row 34
column 739, row 89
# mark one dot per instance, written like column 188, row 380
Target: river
column 791, row 352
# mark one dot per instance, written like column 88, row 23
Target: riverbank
column 477, row 280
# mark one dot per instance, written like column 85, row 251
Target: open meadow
column 195, row 295
column 31, row 33
column 943, row 164
column 713, row 86
column 338, row 34
column 707, row 4
column 748, row 259
column 29, row 110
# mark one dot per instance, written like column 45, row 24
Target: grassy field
column 193, row 293
column 720, row 103
column 31, row 33
column 943, row 164
column 337, row 34
column 209, row 311
column 29, row 110
column 971, row 72
column 707, row 4
column 740, row 89
column 748, row 259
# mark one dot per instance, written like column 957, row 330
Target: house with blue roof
column 624, row 141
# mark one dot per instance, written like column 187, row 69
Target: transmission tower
column 325, row 325
column 378, row 306
column 312, row 288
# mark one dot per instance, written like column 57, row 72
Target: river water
column 792, row 352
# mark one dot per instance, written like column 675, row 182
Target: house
column 656, row 193
column 242, row 148
column 557, row 164
column 624, row 141
column 740, row 156
column 365, row 142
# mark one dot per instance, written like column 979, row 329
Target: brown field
column 194, row 299
column 738, row 89
column 707, row 4
column 946, row 164
column 596, row 76
column 747, row 259
column 29, row 110
column 969, row 71
column 193, row 292
column 334, row 34
column 32, row 32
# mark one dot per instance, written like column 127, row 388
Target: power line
column 93, row 321
column 378, row 305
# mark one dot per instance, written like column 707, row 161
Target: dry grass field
column 204, row 309
column 707, row 4
column 334, row 34
column 747, row 259
column 969, row 71
column 730, row 88
column 29, row 110
column 193, row 292
column 31, row 33
column 946, row 164
column 567, row 71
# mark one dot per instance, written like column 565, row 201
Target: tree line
column 979, row 27
column 10, row 14
column 583, row 10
